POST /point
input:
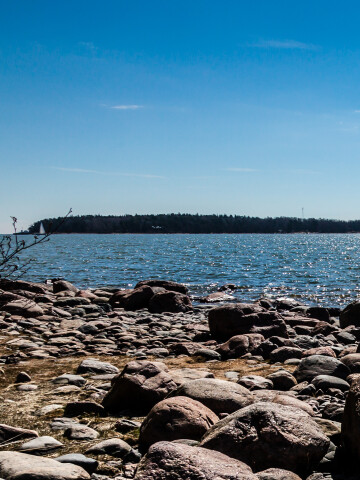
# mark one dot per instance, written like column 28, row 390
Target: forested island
column 192, row 223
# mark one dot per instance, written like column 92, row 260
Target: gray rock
column 68, row 379
column 277, row 474
column 282, row 380
column 311, row 367
column 255, row 382
column 175, row 461
column 324, row 382
column 175, row 418
column 240, row 318
column 220, row 396
column 140, row 386
column 81, row 432
column 62, row 423
column 20, row 466
column 13, row 434
column 257, row 433
column 88, row 464
column 112, row 446
column 41, row 445
column 90, row 365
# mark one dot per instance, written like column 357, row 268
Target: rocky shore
column 142, row 384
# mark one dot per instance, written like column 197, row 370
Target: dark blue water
column 322, row 269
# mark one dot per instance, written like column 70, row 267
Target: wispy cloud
column 126, row 107
column 284, row 45
column 235, row 169
column 99, row 172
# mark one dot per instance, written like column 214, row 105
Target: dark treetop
column 188, row 223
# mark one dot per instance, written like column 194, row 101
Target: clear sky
column 207, row 106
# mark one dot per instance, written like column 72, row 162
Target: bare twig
column 11, row 246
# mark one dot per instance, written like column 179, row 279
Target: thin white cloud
column 98, row 172
column 126, row 107
column 235, row 169
column 284, row 45
column 356, row 111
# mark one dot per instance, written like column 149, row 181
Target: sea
column 318, row 269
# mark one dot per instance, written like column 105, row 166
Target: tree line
column 189, row 223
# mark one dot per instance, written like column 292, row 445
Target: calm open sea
column 322, row 269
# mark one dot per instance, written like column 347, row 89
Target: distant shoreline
column 182, row 223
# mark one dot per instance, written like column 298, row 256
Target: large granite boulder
column 176, row 418
column 350, row 428
column 21, row 466
column 311, row 367
column 258, row 433
column 176, row 461
column 239, row 345
column 166, row 284
column 277, row 474
column 241, row 318
column 221, row 396
column 139, row 386
column 23, row 307
column 350, row 315
column 168, row 301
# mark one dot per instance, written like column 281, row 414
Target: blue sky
column 141, row 106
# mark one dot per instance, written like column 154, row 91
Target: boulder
column 177, row 461
column 282, row 398
column 112, row 446
column 239, row 345
column 21, row 466
column 216, row 297
column 221, row 396
column 284, row 353
column 324, row 382
column 352, row 361
column 9, row 285
column 41, row 445
column 118, row 299
column 23, row 307
column 282, row 380
column 255, row 382
column 176, row 418
column 240, row 318
column 139, row 386
column 320, row 313
column 350, row 315
column 88, row 464
column 167, row 284
column 90, row 365
column 139, row 297
column 311, row 367
column 257, row 433
column 167, row 301
column 326, row 351
column 64, row 286
column 350, row 429
column 74, row 409
column 277, row 474
column 8, row 433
